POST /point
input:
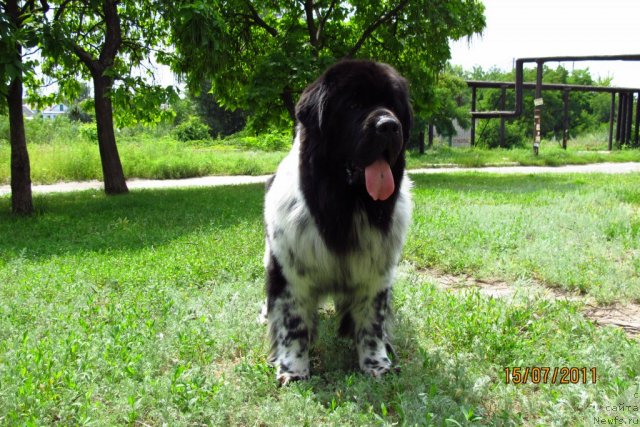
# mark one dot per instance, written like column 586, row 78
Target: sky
column 534, row 28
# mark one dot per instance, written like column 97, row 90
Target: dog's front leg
column 369, row 315
column 290, row 320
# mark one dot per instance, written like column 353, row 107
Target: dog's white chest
column 296, row 242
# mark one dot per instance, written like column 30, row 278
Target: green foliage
column 260, row 55
column 48, row 131
column 192, row 129
column 79, row 38
column 18, row 29
column 221, row 122
column 275, row 140
column 89, row 131
column 451, row 100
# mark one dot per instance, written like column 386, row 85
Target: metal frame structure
column 625, row 99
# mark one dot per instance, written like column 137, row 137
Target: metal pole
column 537, row 111
column 565, row 119
column 612, row 114
column 473, row 119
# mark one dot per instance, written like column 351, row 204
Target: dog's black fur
column 336, row 149
column 325, row 233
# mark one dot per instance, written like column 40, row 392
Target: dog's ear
column 310, row 107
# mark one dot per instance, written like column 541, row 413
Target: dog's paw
column 292, row 367
column 376, row 366
column 285, row 378
column 287, row 374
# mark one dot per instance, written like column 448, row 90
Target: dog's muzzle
column 387, row 134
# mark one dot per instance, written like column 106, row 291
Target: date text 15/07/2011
column 548, row 375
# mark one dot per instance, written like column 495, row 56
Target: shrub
column 47, row 131
column 192, row 129
column 89, row 131
column 274, row 140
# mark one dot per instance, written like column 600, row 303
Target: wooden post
column 473, row 120
column 612, row 114
column 629, row 117
column 537, row 111
column 623, row 118
column 618, row 119
column 637, row 143
column 565, row 119
column 503, row 98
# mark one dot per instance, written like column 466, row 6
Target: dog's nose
column 388, row 126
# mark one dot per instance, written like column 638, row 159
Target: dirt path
column 211, row 181
column 625, row 316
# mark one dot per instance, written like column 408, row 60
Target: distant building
column 462, row 138
column 54, row 111
column 27, row 112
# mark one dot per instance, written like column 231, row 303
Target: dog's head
column 358, row 116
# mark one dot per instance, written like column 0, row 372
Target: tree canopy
column 107, row 41
column 259, row 55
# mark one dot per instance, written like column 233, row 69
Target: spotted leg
column 290, row 324
column 369, row 314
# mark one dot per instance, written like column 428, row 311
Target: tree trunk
column 114, row 180
column 21, row 199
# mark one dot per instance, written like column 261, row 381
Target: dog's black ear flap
column 310, row 107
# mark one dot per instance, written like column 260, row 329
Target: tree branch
column 259, row 21
column 311, row 25
column 113, row 36
column 84, row 56
column 324, row 19
column 374, row 25
column 60, row 10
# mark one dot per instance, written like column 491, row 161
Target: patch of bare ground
column 625, row 316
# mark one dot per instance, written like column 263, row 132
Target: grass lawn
column 141, row 309
column 550, row 155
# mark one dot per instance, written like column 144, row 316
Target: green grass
column 576, row 232
column 141, row 309
column 163, row 158
column 550, row 155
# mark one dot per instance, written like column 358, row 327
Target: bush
column 274, row 140
column 192, row 129
column 89, row 131
column 4, row 129
column 47, row 131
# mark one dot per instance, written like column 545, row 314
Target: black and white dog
column 337, row 213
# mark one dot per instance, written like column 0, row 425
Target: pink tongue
column 379, row 179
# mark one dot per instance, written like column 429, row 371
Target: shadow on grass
column 93, row 222
column 420, row 390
